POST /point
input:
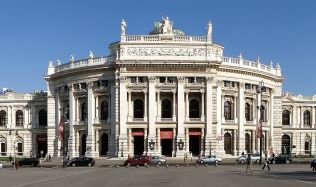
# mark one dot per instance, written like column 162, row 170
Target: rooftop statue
column 123, row 27
column 91, row 55
column 72, row 58
column 209, row 28
column 166, row 26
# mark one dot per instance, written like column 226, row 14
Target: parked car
column 281, row 159
column 81, row 161
column 255, row 157
column 28, row 161
column 138, row 160
column 212, row 159
column 157, row 160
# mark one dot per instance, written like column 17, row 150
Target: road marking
column 46, row 180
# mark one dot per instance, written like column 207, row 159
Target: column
column 235, row 109
column 292, row 117
column 26, row 117
column 51, row 120
column 313, row 117
column 241, row 119
column 301, row 117
column 146, row 105
column 109, row 108
column 90, row 142
column 130, row 107
column 152, row 112
column 71, row 140
column 219, row 116
column 209, row 118
column 187, row 117
column 271, row 134
column 123, row 118
column 181, row 115
column 202, row 106
column 186, row 141
column 97, row 109
column 158, row 142
column 174, row 117
column 158, row 106
column 236, row 143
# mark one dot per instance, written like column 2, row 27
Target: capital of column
column 145, row 91
column 123, row 79
column 202, row 90
column 219, row 83
column 181, row 80
column 90, row 84
column 174, row 91
column 152, row 79
column 209, row 80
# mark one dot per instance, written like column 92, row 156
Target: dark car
column 81, row 161
column 28, row 161
column 138, row 160
column 281, row 159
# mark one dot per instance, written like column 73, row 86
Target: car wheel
column 201, row 162
column 73, row 165
column 257, row 161
column 159, row 162
column 216, row 161
column 242, row 161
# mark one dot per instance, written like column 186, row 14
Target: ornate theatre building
column 164, row 93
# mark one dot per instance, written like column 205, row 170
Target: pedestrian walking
column 248, row 163
column 313, row 164
column 10, row 158
column 266, row 162
column 49, row 158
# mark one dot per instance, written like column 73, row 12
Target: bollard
column 167, row 165
column 1, row 166
column 147, row 166
column 137, row 166
column 157, row 166
column 177, row 165
column 187, row 165
column 197, row 165
column 205, row 165
column 117, row 166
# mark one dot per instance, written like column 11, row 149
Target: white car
column 255, row 157
column 212, row 159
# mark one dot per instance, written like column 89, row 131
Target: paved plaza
column 223, row 175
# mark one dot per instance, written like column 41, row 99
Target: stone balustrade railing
column 85, row 63
column 255, row 65
column 165, row 38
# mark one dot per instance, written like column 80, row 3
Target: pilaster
column 241, row 133
column 71, row 139
column 152, row 113
column 181, row 114
column 123, row 118
column 209, row 117
column 90, row 145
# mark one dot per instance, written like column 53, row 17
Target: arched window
column 285, row 117
column 104, row 110
column 42, row 117
column 3, row 118
column 307, row 118
column 247, row 112
column 19, row 118
column 138, row 108
column 228, row 110
column 166, row 108
column 83, row 111
column 194, row 109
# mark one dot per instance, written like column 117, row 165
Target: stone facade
column 171, row 94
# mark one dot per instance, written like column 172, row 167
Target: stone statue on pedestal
column 123, row 27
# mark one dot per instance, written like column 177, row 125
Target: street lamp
column 261, row 88
column 14, row 159
column 180, row 144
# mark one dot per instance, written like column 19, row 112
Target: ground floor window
column 20, row 149
column 307, row 147
column 3, row 149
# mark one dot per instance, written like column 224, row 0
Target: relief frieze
column 166, row 68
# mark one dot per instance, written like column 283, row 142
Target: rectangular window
column 20, row 149
column 141, row 79
column 133, row 79
column 3, row 151
column 162, row 79
column 199, row 79
column 190, row 80
column 248, row 86
column 170, row 79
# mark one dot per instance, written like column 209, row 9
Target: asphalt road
column 220, row 176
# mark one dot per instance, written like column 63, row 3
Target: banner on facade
column 259, row 128
column 195, row 133
column 137, row 133
column 166, row 134
column 61, row 128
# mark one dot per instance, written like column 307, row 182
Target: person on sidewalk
column 248, row 160
column 266, row 162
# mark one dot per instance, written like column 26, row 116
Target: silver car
column 158, row 160
column 209, row 160
column 255, row 157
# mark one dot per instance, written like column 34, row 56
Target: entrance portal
column 138, row 145
column 104, row 144
column 41, row 144
column 83, row 144
column 166, row 147
column 195, row 144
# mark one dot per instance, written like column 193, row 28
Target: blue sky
column 35, row 31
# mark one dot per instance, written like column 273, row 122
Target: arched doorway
column 104, row 144
column 247, row 143
column 83, row 144
column 227, row 143
column 286, row 143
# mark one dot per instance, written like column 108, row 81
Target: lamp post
column 261, row 88
column 14, row 159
